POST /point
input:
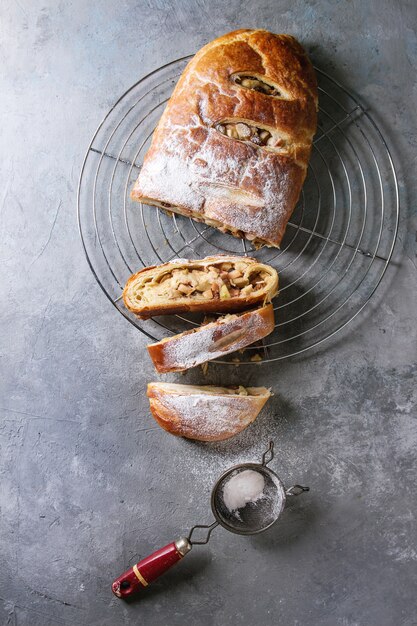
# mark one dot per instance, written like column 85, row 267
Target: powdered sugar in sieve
column 248, row 499
column 243, row 488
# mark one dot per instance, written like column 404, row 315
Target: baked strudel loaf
column 233, row 144
column 205, row 412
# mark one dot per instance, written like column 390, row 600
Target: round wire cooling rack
column 337, row 245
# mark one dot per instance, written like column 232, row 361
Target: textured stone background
column 88, row 482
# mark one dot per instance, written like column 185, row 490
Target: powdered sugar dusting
column 242, row 187
column 204, row 462
column 210, row 415
column 214, row 340
column 190, row 350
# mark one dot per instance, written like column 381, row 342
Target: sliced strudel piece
column 214, row 284
column 211, row 341
column 205, row 412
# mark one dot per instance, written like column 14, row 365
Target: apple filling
column 243, row 131
column 256, row 84
column 219, row 281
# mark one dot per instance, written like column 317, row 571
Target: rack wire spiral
column 337, row 246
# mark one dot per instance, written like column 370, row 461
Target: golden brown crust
column 205, row 413
column 202, row 173
column 212, row 341
column 152, row 275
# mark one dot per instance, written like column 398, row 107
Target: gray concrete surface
column 88, row 482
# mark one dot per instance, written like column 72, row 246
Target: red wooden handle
column 140, row 575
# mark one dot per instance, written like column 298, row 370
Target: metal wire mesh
column 338, row 242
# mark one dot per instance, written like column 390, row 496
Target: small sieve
column 252, row 517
